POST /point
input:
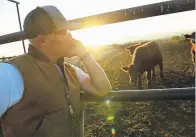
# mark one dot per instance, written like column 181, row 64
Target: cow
column 131, row 48
column 145, row 58
column 191, row 43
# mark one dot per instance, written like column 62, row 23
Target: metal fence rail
column 156, row 9
column 145, row 95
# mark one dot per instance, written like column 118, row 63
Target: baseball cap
column 44, row 20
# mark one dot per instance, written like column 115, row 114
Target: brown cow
column 191, row 43
column 145, row 58
column 131, row 48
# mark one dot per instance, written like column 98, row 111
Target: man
column 40, row 96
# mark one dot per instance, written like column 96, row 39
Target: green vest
column 43, row 109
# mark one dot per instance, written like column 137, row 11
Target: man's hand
column 97, row 83
column 78, row 49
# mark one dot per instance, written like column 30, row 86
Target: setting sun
column 96, row 36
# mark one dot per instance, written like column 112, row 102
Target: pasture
column 150, row 118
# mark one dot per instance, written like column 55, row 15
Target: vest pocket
column 45, row 129
column 54, row 124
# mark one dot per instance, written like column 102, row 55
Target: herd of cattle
column 146, row 56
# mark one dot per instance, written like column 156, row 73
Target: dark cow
column 145, row 58
column 131, row 48
column 191, row 43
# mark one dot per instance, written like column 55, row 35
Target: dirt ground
column 150, row 118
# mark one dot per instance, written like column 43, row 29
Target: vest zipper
column 71, row 112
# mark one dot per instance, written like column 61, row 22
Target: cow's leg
column 149, row 78
column 153, row 73
column 194, row 70
column 139, row 82
column 193, row 64
column 161, row 69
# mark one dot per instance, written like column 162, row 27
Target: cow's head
column 132, row 48
column 132, row 73
column 190, row 38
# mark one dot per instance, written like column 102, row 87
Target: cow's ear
column 125, row 69
column 128, row 48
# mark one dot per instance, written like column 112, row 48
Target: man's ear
column 41, row 40
column 125, row 68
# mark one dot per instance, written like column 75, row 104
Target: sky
column 148, row 28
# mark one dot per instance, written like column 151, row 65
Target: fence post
column 18, row 13
column 82, row 119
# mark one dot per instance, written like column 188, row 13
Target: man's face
column 59, row 42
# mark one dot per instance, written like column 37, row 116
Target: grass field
column 150, row 118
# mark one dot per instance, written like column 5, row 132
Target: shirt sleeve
column 81, row 74
column 11, row 86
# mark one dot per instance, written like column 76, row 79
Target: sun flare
column 96, row 36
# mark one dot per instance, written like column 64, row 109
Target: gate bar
column 156, row 9
column 144, row 95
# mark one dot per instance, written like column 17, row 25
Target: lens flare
column 107, row 101
column 110, row 117
column 113, row 131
